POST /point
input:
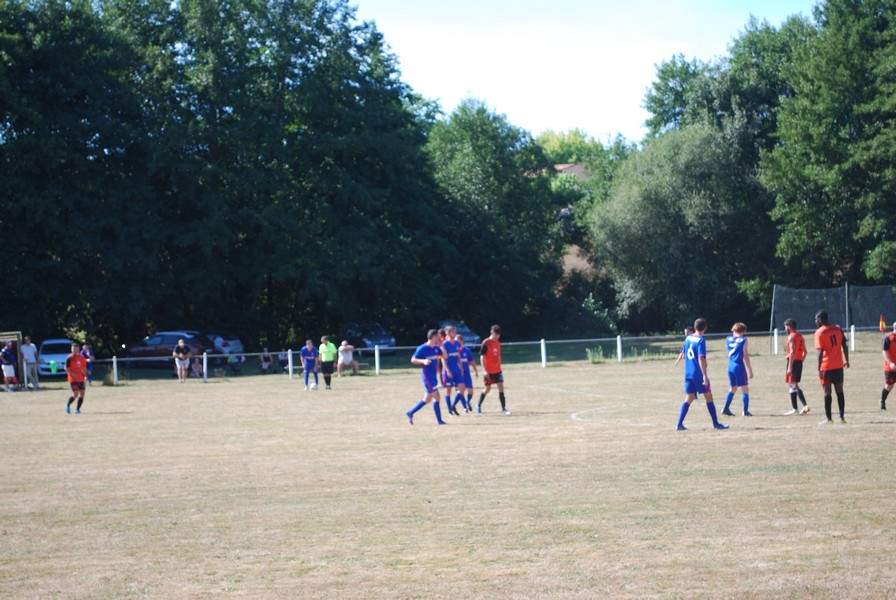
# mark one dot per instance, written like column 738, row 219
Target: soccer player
column 8, row 360
column 182, row 357
column 309, row 363
column 889, row 353
column 76, row 370
column 87, row 352
column 740, row 370
column 833, row 357
column 454, row 377
column 796, row 354
column 696, row 376
column 428, row 356
column 467, row 361
column 490, row 357
column 328, row 353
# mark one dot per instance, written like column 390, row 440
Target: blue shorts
column 694, row 386
column 454, row 378
column 429, row 384
column 737, row 376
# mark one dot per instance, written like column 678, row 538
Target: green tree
column 684, row 222
column 831, row 173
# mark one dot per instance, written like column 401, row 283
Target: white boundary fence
column 620, row 349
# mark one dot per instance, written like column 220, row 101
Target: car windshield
column 56, row 349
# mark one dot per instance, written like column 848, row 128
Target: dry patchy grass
column 253, row 488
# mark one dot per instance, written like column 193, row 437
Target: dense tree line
column 773, row 164
column 259, row 165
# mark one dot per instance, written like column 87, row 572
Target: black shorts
column 77, row 386
column 326, row 366
column 796, row 372
column 831, row 377
column 492, row 378
column 890, row 377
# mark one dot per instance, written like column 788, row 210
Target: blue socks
column 438, row 409
column 462, row 400
column 728, row 399
column 682, row 413
column 417, row 407
column 746, row 403
column 306, row 378
column 711, row 407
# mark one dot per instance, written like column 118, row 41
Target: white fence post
column 289, row 363
column 619, row 348
column 775, row 342
column 852, row 338
column 205, row 367
column 544, row 354
column 376, row 359
column 114, row 370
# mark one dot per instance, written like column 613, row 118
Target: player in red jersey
column 490, row 357
column 833, row 357
column 796, row 354
column 76, row 370
column 889, row 353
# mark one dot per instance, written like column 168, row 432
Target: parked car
column 222, row 343
column 364, row 336
column 470, row 337
column 160, row 345
column 53, row 352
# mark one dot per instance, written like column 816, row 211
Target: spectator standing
column 266, row 361
column 181, row 356
column 328, row 354
column 87, row 353
column 346, row 359
column 283, row 359
column 8, row 363
column 31, row 356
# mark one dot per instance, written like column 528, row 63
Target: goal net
column 859, row 305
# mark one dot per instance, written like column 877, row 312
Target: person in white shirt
column 346, row 359
column 31, row 356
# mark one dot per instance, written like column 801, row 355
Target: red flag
column 883, row 323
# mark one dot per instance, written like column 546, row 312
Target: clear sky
column 558, row 64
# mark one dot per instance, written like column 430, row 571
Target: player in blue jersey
column 454, row 373
column 696, row 375
column 428, row 356
column 309, row 356
column 740, row 370
column 466, row 361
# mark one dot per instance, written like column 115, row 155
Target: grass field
column 253, row 488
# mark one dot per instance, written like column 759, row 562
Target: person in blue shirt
column 454, row 374
column 309, row 363
column 740, row 370
column 696, row 375
column 467, row 360
column 428, row 356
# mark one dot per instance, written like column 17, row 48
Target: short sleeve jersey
column 328, row 352
column 452, row 349
column 7, row 357
column 736, row 350
column 694, row 347
column 829, row 339
column 76, row 368
column 309, row 355
column 181, row 352
column 796, row 347
column 890, row 349
column 425, row 351
column 491, row 350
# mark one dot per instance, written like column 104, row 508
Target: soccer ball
column 313, row 386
